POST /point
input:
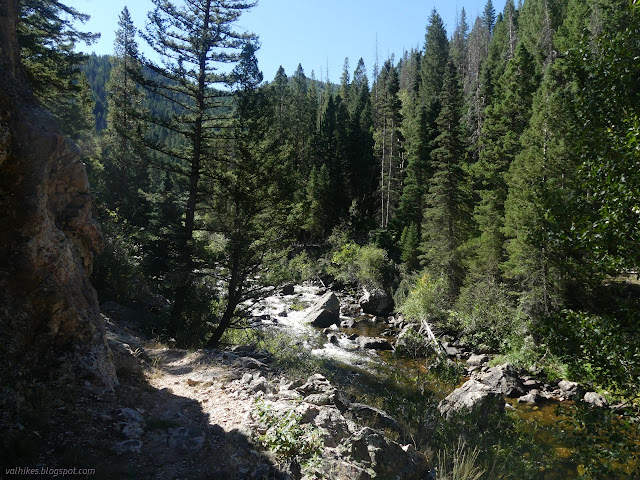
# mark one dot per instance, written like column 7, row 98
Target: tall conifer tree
column 505, row 122
column 447, row 212
column 193, row 41
column 125, row 130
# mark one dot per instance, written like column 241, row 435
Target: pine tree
column 489, row 17
column 459, row 46
column 280, row 87
column 416, row 129
column 539, row 207
column 302, row 120
column 501, row 50
column 505, row 122
column 47, row 36
column 434, row 60
column 345, row 81
column 362, row 165
column 537, row 23
column 446, row 215
column 124, row 168
column 318, row 199
column 248, row 208
column 478, row 47
column 194, row 41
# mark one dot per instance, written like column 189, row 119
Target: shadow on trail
column 137, row 432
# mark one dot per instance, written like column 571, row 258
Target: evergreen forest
column 487, row 182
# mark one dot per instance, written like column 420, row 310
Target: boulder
column 376, row 301
column 333, row 338
column 332, row 424
column 505, row 379
column 374, row 343
column 288, row 289
column 568, row 388
column 477, row 360
column 472, row 397
column 325, row 312
column 127, row 446
column 130, row 423
column 125, row 359
column 532, row 397
column 595, row 399
column 317, row 384
column 451, row 351
column 350, row 310
column 251, row 363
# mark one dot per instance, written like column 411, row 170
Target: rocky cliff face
column 49, row 315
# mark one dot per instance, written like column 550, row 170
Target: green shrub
column 118, row 271
column 603, row 349
column 302, row 268
column 525, row 353
column 426, row 300
column 286, row 436
column 487, row 315
column 367, row 265
column 413, row 344
column 374, row 267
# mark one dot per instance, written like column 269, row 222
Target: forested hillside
column 487, row 182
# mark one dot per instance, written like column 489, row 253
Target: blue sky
column 319, row 35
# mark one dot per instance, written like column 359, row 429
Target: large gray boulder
column 332, row 424
column 505, row 379
column 376, row 301
column 472, row 398
column 325, row 312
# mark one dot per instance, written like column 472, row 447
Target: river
column 548, row 441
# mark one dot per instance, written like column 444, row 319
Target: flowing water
column 549, row 441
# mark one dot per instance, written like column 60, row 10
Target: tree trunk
column 184, row 282
column 232, row 302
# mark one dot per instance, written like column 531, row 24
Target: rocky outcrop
column 48, row 309
column 325, row 312
column 376, row 301
column 349, row 451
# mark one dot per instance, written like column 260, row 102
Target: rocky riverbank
column 228, row 414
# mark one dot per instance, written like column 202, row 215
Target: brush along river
column 553, row 440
